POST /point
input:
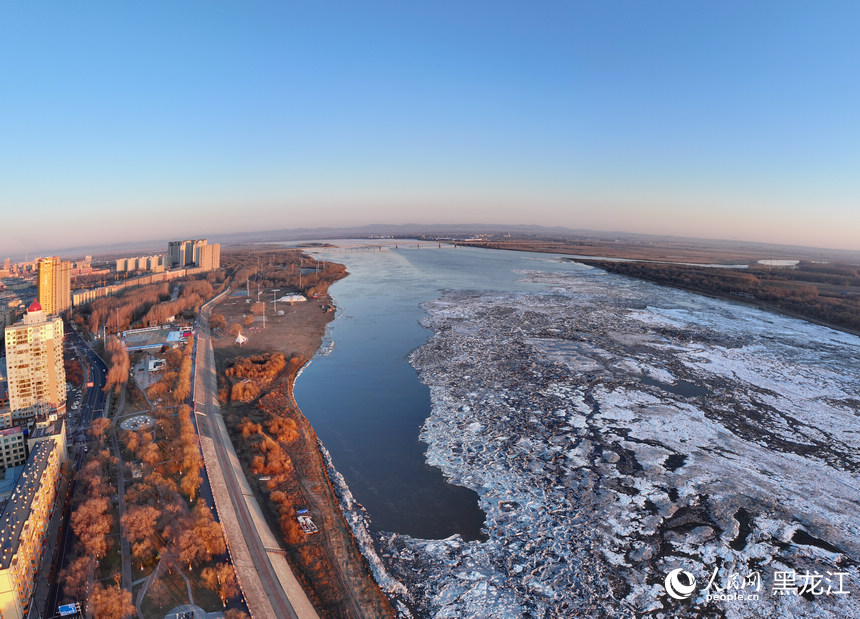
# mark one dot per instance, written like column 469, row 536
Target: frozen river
column 365, row 400
column 616, row 433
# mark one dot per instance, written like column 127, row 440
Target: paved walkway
column 124, row 546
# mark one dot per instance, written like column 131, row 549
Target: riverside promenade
column 265, row 578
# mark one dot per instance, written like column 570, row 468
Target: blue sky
column 126, row 121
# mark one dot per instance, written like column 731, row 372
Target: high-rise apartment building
column 34, row 363
column 54, row 284
column 194, row 253
column 208, row 257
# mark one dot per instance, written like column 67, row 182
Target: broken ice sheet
column 597, row 482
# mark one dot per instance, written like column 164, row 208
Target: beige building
column 54, row 285
column 154, row 264
column 196, row 253
column 208, row 257
column 24, row 527
column 34, row 363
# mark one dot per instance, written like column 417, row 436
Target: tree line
column 774, row 287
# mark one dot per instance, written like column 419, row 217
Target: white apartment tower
column 34, row 362
column 193, row 253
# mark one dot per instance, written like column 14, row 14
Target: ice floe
column 614, row 431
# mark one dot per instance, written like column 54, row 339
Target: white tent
column 291, row 298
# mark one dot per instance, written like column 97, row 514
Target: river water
column 365, row 400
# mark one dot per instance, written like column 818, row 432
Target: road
column 267, row 582
column 92, row 406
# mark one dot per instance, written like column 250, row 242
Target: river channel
column 365, row 400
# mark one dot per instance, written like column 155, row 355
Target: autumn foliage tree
column 92, row 523
column 139, row 524
column 117, row 354
column 199, row 537
column 284, row 430
column 222, row 580
column 111, row 603
column 217, row 321
column 98, row 429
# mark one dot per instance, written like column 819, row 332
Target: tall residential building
column 55, row 285
column 208, row 257
column 197, row 253
column 34, row 363
column 24, row 527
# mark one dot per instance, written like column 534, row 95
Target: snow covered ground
column 616, row 431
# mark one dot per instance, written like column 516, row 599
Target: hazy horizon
column 124, row 123
column 159, row 245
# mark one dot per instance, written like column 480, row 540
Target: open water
column 365, row 400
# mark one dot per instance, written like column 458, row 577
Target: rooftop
column 151, row 338
column 18, row 508
column 54, row 428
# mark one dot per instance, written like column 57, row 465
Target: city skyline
column 128, row 123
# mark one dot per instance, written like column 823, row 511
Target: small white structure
column 292, row 298
column 307, row 525
column 241, row 339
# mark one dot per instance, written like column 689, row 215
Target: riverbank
column 822, row 304
column 277, row 446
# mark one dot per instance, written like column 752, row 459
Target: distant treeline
column 287, row 269
column 791, row 290
column 146, row 305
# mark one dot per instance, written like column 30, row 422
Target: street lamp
column 274, row 300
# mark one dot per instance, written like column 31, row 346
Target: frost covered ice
column 615, row 430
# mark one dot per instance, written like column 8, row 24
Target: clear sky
column 128, row 121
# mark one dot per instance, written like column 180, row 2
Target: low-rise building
column 13, row 449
